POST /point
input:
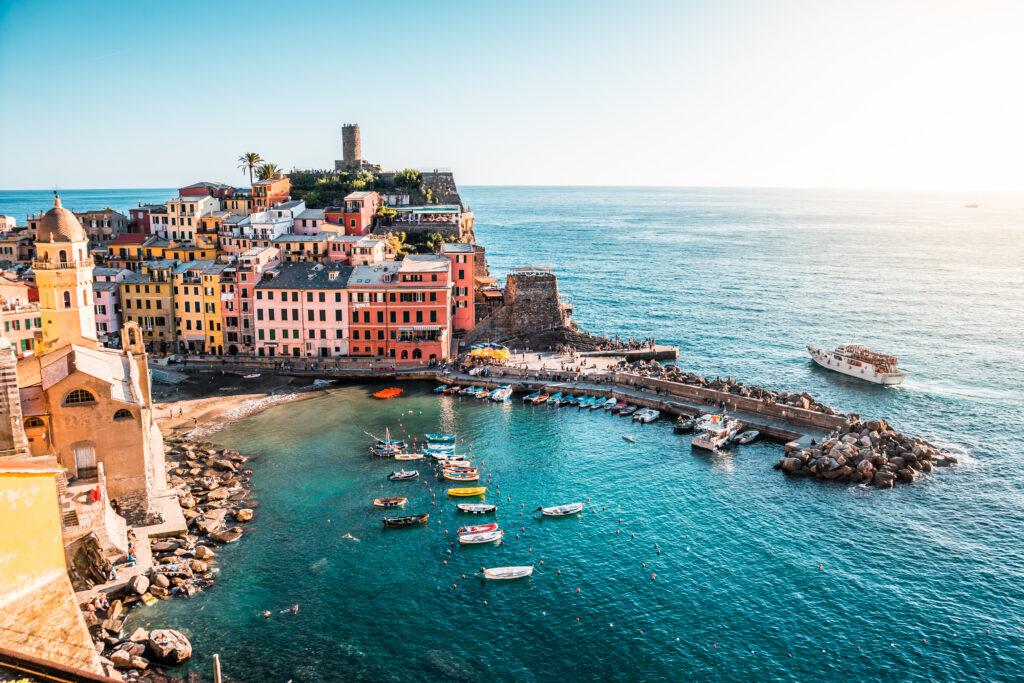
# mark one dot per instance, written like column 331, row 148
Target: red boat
column 478, row 529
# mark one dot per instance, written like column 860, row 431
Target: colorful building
column 463, row 269
column 357, row 214
column 103, row 226
column 184, row 215
column 302, row 247
column 147, row 299
column 308, row 221
column 302, row 310
column 197, row 307
column 267, row 193
column 238, row 281
column 106, row 288
column 203, row 188
column 22, row 324
column 142, row 217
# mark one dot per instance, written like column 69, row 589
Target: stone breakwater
column 866, row 453
column 213, row 489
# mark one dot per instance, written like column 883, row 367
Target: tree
column 250, row 161
column 268, row 171
column 409, row 179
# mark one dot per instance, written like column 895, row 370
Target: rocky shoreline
column 866, row 453
column 213, row 490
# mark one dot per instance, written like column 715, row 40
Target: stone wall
column 13, row 443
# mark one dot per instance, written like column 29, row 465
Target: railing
column 62, row 265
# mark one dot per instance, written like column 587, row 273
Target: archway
column 417, row 354
column 405, row 355
column 62, row 256
column 232, row 350
column 67, row 299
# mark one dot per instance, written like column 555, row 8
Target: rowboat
column 683, row 426
column 384, row 452
column 408, row 456
column 252, row 376
column 596, row 403
column 453, row 389
column 439, row 447
column 468, row 491
column 410, row 520
column 389, row 502
column 561, row 510
column 627, row 437
column 529, row 398
column 540, row 399
column 483, row 393
column 462, row 476
column 609, row 404
column 627, row 411
column 554, row 399
column 476, row 508
column 403, row 475
column 456, row 464
column 390, row 392
column 618, row 407
column 505, row 573
column 478, row 529
column 486, row 537
column 747, row 436
column 440, row 438
column 583, row 401
column 446, row 457
column 440, row 389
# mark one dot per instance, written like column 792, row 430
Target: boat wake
column 970, row 393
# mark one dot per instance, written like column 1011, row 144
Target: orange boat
column 388, row 393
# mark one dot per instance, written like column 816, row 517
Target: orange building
column 267, row 193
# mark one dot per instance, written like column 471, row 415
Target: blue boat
column 440, row 438
column 584, row 401
column 440, row 389
column 439, row 448
column 553, row 400
column 529, row 399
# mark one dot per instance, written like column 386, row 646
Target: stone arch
column 32, row 422
column 405, row 355
column 123, row 414
column 417, row 354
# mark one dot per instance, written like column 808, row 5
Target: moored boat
column 561, row 510
column 502, row 393
column 610, row 403
column 403, row 475
column 467, row 491
column 583, row 401
column 857, row 361
column 440, row 389
column 485, row 537
column 505, row 573
column 384, row 452
column 529, row 397
column 617, row 408
column 461, row 476
column 645, row 415
column 440, row 438
column 408, row 456
column 407, row 521
column 714, row 431
column 554, row 399
column 390, row 502
column 627, row 437
column 540, row 399
column 596, row 403
column 627, row 411
column 478, row 529
column 684, row 425
column 747, row 436
column 476, row 508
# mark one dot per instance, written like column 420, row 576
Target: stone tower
column 63, row 273
column 13, row 443
column 351, row 145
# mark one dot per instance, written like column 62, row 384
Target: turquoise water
column 926, row 580
column 21, row 203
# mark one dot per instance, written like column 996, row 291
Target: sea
column 684, row 566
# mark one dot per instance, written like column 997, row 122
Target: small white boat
column 561, row 510
column 747, row 436
column 451, row 464
column 610, row 403
column 476, row 508
column 646, row 415
column 252, row 376
column 485, row 537
column 408, row 456
column 505, row 573
column 502, row 393
column 627, row 437
column 446, row 457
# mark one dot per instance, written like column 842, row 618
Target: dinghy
column 478, row 529
column 561, row 510
column 529, row 398
column 540, row 399
column 554, row 399
column 440, row 438
column 410, row 520
column 252, row 376
column 617, row 408
column 627, row 411
column 389, row 502
column 505, row 573
column 476, row 508
column 468, row 491
column 684, row 425
column 628, row 438
column 440, row 389
column 408, row 456
column 610, row 403
column 383, row 452
column 486, row 537
column 596, row 403
column 403, row 475
column 747, row 436
column 462, row 476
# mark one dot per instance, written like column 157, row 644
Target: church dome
column 60, row 225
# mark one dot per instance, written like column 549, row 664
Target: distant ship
column 857, row 361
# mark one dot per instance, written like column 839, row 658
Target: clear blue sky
column 911, row 94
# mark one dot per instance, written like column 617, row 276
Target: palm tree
column 249, row 160
column 268, row 170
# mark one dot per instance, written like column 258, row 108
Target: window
column 309, row 315
column 123, row 414
column 337, row 297
column 34, row 422
column 337, row 315
column 394, row 319
column 322, row 297
column 67, row 298
column 433, row 316
column 309, row 296
column 380, row 316
column 419, row 316
column 405, row 316
column 78, row 397
column 323, row 315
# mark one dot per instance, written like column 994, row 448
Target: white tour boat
column 714, row 431
column 857, row 361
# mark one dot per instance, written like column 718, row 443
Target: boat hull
column 825, row 359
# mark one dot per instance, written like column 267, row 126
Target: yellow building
column 238, row 204
column 185, row 214
column 39, row 616
column 190, row 252
column 148, row 299
column 197, row 307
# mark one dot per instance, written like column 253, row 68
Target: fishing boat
column 596, row 403
column 390, row 392
column 476, row 508
column 252, row 376
column 384, row 452
column 407, row 521
column 747, row 436
column 483, row 393
column 617, row 408
column 583, row 401
column 440, row 438
column 627, row 411
column 462, row 476
column 477, row 539
column 445, row 456
column 468, row 390
column 408, row 456
column 646, row 415
column 529, row 398
column 402, row 475
column 714, row 431
column 440, row 389
column 439, row 447
column 684, row 425
column 478, row 529
column 540, row 399
column 561, row 510
column 857, row 361
column 569, row 400
column 455, row 464
column 389, row 502
column 505, row 573
column 467, row 491
column 453, row 389
column 627, row 437
column 502, row 393
column 554, row 399
column 610, row 403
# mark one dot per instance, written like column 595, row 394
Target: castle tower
column 351, row 145
column 63, row 272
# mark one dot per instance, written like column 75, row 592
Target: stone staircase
column 68, row 514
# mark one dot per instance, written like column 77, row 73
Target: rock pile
column 869, row 453
column 673, row 373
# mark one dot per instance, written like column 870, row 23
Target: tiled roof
column 308, row 276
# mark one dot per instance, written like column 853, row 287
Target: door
column 85, row 462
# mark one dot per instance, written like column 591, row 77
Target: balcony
column 62, row 265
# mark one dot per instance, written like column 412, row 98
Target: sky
column 776, row 93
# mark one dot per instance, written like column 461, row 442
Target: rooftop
column 128, row 238
column 287, row 205
column 208, row 184
column 318, row 237
column 373, row 275
column 361, row 194
column 317, row 214
column 457, row 248
column 308, row 276
column 424, row 263
column 268, row 181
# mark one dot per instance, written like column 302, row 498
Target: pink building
column 463, row 260
column 308, row 221
column 302, row 310
column 236, row 301
column 7, row 223
column 339, row 247
column 107, row 300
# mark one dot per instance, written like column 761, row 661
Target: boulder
column 227, row 535
column 926, row 466
column 164, row 546
column 225, row 465
column 138, row 584
column 884, row 480
column 906, row 475
column 169, row 646
column 141, row 635
column 121, row 659
column 204, row 552
column 139, row 663
column 243, row 515
column 159, row 581
column 218, row 493
column 865, row 466
column 791, row 464
column 197, row 566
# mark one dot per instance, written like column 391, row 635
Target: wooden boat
column 554, row 399
column 465, row 469
column 439, row 447
column 529, row 398
column 627, row 411
column 747, row 436
column 683, row 426
column 445, row 457
column 561, row 510
column 609, row 404
column 389, row 502
column 617, row 408
column 408, row 456
column 440, row 438
column 403, row 475
column 407, row 521
column 440, row 389
column 384, row 452
column 540, row 399
column 485, row 537
column 451, row 390
column 468, row 491
column 390, row 392
column 583, row 401
column 505, row 573
column 476, row 508
column 596, row 403
column 457, row 464
column 628, row 438
column 252, row 376
column 478, row 529
column 483, row 393
column 462, row 476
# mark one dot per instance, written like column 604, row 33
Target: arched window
column 85, row 298
column 31, row 422
column 78, row 397
column 416, row 354
column 62, row 256
column 123, row 414
column 67, row 299
column 405, row 355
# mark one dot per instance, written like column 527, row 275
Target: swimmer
column 351, row 537
column 266, row 614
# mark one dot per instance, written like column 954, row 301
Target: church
column 86, row 405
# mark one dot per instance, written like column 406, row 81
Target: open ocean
column 921, row 583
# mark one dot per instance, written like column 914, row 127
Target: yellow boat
column 468, row 491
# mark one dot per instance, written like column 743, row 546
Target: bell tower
column 63, row 271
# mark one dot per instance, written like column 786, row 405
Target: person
column 195, row 422
column 266, row 614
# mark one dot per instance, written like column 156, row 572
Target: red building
column 203, row 188
column 463, row 268
column 142, row 217
column 357, row 215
